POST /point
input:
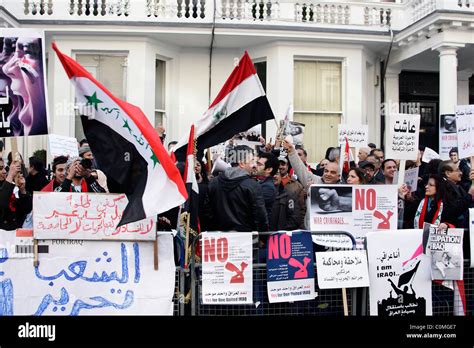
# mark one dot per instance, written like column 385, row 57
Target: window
column 110, row 70
column 160, row 83
column 317, row 104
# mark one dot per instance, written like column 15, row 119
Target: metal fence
column 329, row 302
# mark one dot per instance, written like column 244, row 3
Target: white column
column 448, row 78
column 392, row 96
column 463, row 86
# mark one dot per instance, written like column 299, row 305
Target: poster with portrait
column 400, row 274
column 227, row 268
column 295, row 129
column 357, row 209
column 23, row 102
column 251, row 137
column 290, row 267
column 447, row 135
column 445, row 248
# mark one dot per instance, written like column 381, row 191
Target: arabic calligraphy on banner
column 357, row 135
column 86, row 216
column 227, row 268
column 77, row 277
column 403, row 133
column 400, row 276
column 342, row 269
column 465, row 132
column 290, row 267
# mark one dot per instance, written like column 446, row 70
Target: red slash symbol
column 385, row 224
column 239, row 277
column 302, row 272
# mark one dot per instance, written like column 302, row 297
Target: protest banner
column 445, row 248
column 357, row 135
column 399, row 272
column 62, row 146
column 333, row 241
column 356, row 209
column 227, row 268
column 86, row 216
column 342, row 269
column 402, row 137
column 465, row 134
column 447, row 135
column 411, row 178
column 471, row 234
column 290, row 267
column 76, row 277
column 429, row 154
column 23, row 102
column 295, row 129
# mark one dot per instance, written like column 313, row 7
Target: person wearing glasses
column 463, row 166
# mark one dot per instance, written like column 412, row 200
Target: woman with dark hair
column 430, row 209
column 37, row 175
column 356, row 177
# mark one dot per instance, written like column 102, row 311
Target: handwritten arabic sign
column 58, row 215
column 356, row 209
column 402, row 140
column 62, row 146
column 227, row 268
column 357, row 135
column 465, row 133
column 290, row 267
column 400, row 279
column 342, row 269
column 76, row 277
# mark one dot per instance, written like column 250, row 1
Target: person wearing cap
column 283, row 171
column 369, row 171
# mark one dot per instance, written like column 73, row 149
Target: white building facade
column 336, row 61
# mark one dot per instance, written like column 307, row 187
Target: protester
column 267, row 167
column 79, row 178
column 363, row 153
column 59, row 174
column 303, row 154
column 368, row 169
column 389, row 168
column 355, row 177
column 37, row 175
column 430, row 209
column 463, row 166
column 235, row 201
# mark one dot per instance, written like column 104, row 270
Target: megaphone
column 220, row 165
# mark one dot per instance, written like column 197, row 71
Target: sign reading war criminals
column 290, row 267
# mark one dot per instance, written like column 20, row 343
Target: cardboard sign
column 227, row 268
column 357, row 135
column 400, row 279
column 62, row 146
column 342, row 269
column 445, row 247
column 89, row 216
column 356, row 209
column 23, row 102
column 77, row 277
column 402, row 136
column 290, row 267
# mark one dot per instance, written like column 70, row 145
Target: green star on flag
column 154, row 159
column 93, row 100
column 127, row 126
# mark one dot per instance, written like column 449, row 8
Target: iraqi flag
column 192, row 204
column 126, row 147
column 240, row 105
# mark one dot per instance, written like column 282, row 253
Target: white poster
column 465, row 133
column 227, row 268
column 400, row 274
column 447, row 135
column 342, row 269
column 62, row 146
column 357, row 135
column 429, row 154
column 411, row 178
column 77, row 277
column 445, row 248
column 356, row 209
column 402, row 137
column 87, row 216
column 471, row 234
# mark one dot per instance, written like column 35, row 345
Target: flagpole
column 186, row 252
column 155, row 253
column 344, row 302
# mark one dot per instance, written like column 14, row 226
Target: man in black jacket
column 235, row 201
column 267, row 166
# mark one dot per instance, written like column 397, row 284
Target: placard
column 62, row 146
column 402, row 137
column 357, row 135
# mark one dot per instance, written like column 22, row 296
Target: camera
column 86, row 163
